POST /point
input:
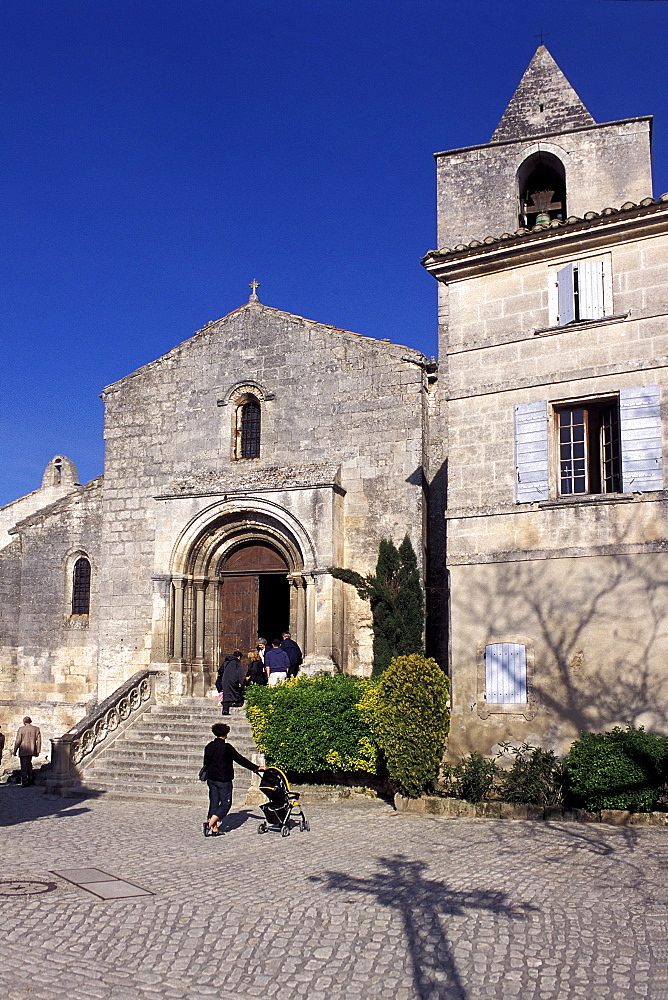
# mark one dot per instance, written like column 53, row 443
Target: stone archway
column 223, row 569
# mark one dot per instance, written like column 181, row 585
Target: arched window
column 541, row 182
column 81, row 587
column 248, row 429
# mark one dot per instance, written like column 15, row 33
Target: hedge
column 309, row 725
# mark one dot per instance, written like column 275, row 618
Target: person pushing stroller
column 218, row 759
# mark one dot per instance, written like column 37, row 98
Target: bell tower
column 547, row 159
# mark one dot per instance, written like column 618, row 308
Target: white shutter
column 640, row 432
column 531, row 472
column 566, row 294
column 590, row 289
column 506, row 673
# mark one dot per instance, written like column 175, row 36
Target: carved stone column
column 177, row 633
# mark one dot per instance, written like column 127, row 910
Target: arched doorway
column 254, row 596
column 237, row 571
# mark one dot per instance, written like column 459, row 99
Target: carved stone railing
column 81, row 744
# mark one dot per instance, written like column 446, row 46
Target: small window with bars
column 506, row 673
column 249, row 418
column 81, row 587
column 589, row 448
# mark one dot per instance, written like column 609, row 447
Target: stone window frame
column 526, row 710
column 76, row 620
column 236, row 397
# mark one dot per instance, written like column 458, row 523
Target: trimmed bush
column 308, row 725
column 535, row 778
column 412, row 721
column 472, row 777
column 622, row 769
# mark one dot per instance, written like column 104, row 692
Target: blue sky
column 159, row 155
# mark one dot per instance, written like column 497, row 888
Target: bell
column 542, row 219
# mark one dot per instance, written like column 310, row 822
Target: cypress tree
column 397, row 601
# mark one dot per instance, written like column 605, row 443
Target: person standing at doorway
column 27, row 745
column 256, row 673
column 232, row 679
column 261, row 648
column 277, row 663
column 294, row 654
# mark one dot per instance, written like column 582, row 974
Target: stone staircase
column 159, row 756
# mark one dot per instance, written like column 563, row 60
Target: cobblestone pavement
column 369, row 904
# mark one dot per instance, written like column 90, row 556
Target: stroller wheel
column 304, row 825
column 285, row 831
column 262, row 828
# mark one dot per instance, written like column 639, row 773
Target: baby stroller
column 283, row 805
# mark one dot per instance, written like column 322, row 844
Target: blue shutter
column 531, row 472
column 640, row 432
column 506, row 673
column 590, row 289
column 566, row 295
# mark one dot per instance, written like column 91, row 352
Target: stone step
column 138, row 749
column 173, row 793
column 150, row 768
column 158, row 757
column 180, row 773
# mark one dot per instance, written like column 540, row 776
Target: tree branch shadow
column 423, row 904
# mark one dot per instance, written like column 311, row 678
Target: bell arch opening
column 541, row 188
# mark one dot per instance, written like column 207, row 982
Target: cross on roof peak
column 254, row 285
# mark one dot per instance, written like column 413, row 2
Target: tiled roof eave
column 599, row 227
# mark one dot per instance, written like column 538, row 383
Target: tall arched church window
column 248, row 429
column 541, row 182
column 81, row 587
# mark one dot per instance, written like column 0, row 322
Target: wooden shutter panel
column 506, row 673
column 566, row 294
column 531, row 472
column 590, row 289
column 640, row 432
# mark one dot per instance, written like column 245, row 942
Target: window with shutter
column 506, row 673
column 531, row 452
column 580, row 292
column 641, row 438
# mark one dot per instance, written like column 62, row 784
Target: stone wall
column 327, row 396
column 579, row 581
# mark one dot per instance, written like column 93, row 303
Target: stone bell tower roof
column 543, row 102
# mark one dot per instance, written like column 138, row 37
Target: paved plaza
column 369, row 904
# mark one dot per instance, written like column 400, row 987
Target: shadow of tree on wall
column 600, row 640
column 424, row 905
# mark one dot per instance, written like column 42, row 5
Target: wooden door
column 238, row 614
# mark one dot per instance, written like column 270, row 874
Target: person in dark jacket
column 218, row 759
column 294, row 654
column 230, row 682
column 256, row 673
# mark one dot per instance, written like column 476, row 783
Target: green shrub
column 314, row 724
column 411, row 721
column 622, row 769
column 472, row 777
column 535, row 778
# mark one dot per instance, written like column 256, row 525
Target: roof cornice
column 527, row 246
column 544, row 135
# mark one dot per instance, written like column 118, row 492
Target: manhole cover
column 25, row 887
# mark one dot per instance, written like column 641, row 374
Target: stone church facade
column 526, row 466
